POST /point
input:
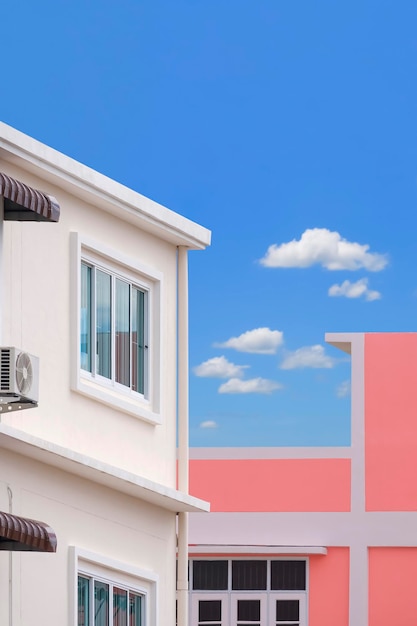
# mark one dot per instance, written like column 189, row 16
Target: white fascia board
column 343, row 341
column 99, row 472
column 311, row 452
column 257, row 550
column 100, row 190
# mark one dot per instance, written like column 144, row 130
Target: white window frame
column 92, row 565
column 145, row 406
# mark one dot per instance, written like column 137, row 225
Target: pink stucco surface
column 390, row 421
column 392, row 586
column 329, row 588
column 272, row 484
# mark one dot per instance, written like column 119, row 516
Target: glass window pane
column 101, row 604
column 288, row 575
column 119, row 607
column 288, row 610
column 210, row 575
column 85, row 318
column 249, row 610
column 122, row 346
column 83, row 601
column 248, row 575
column 135, row 615
column 103, row 323
column 138, row 340
column 209, row 610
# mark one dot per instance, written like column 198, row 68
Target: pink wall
column 390, row 423
column 392, row 586
column 272, row 484
column 329, row 588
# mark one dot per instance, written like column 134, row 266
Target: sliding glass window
column 113, row 328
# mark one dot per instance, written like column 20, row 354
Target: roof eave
column 113, row 197
column 99, row 472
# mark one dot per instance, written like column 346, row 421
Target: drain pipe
column 183, row 453
column 10, row 496
column 1, row 266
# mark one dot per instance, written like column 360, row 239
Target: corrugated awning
column 23, row 203
column 19, row 533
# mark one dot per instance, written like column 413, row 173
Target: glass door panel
column 208, row 610
column 248, row 609
column 287, row 610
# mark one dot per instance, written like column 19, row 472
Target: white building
column 95, row 296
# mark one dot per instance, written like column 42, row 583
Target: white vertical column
column 358, row 576
column 183, row 452
column 183, row 369
column 358, row 584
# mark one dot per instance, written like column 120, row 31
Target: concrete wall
column 88, row 516
column 37, row 308
column 390, row 421
column 264, row 485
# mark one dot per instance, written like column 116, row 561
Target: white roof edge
column 343, row 341
column 258, row 549
column 270, row 453
column 99, row 472
column 75, row 174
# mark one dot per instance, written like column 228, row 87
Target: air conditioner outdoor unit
column 19, row 379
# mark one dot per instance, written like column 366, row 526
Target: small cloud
column 256, row 341
column 309, row 356
column 219, row 367
column 354, row 290
column 208, row 424
column 343, row 389
column 253, row 385
column 320, row 246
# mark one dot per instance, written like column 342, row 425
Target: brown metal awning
column 23, row 203
column 19, row 533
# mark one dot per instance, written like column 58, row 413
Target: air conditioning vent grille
column 5, row 370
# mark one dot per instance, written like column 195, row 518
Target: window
column 116, row 329
column 102, row 603
column 106, row 592
column 248, row 592
column 113, row 333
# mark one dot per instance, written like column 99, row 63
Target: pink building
column 317, row 536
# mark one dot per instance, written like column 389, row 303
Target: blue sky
column 287, row 127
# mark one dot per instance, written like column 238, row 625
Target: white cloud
column 208, row 424
column 343, row 389
column 320, row 246
column 257, row 341
column 253, row 385
column 354, row 290
column 309, row 356
column 219, row 367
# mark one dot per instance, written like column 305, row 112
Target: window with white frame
column 248, row 592
column 113, row 328
column 116, row 322
column 107, row 592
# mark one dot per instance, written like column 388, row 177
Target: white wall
column 37, row 319
column 88, row 516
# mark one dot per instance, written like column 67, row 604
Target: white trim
column 208, row 454
column 338, row 530
column 100, row 190
column 258, row 550
column 147, row 408
column 99, row 472
column 83, row 561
